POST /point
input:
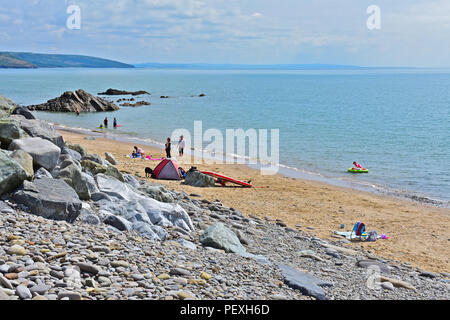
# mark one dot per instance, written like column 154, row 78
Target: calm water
column 396, row 123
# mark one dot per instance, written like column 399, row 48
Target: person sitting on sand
column 357, row 165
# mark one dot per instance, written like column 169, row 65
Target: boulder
column 115, row 173
column 73, row 176
column 42, row 173
column 45, row 154
column 49, row 198
column 25, row 160
column 92, row 167
column 110, row 158
column 117, row 222
column 93, row 157
column 79, row 100
column 10, row 130
column 198, row 179
column 42, row 129
column 75, row 155
column 23, row 111
column 76, row 147
column 306, row 283
column 220, row 237
column 12, row 174
column 6, row 104
column 115, row 188
column 156, row 192
column 131, row 181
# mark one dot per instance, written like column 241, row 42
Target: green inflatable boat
column 354, row 170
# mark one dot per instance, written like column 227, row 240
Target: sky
column 413, row 33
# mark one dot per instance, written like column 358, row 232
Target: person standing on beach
column 168, row 146
column 115, row 123
column 105, row 122
column 181, row 145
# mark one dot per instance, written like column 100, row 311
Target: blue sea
column 394, row 122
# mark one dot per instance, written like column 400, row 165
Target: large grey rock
column 78, row 148
column 23, row 111
column 93, row 157
column 42, row 129
column 118, row 222
column 110, row 158
column 220, row 237
column 50, row 198
column 45, row 153
column 10, row 130
column 42, row 173
column 115, row 188
column 6, row 104
column 198, row 179
column 25, row 160
column 73, row 176
column 90, row 183
column 12, row 174
column 131, row 181
column 150, row 231
column 75, row 155
column 306, row 283
column 156, row 192
column 71, row 101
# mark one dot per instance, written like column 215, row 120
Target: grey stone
column 12, row 174
column 23, row 111
column 198, row 179
column 42, row 129
column 306, row 283
column 220, row 237
column 45, row 154
column 110, row 158
column 42, row 173
column 9, row 131
column 50, row 198
column 117, row 222
column 23, row 292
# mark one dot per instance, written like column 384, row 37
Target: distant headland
column 27, row 60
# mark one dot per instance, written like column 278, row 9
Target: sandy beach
column 418, row 233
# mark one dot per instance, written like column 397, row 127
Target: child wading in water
column 168, row 146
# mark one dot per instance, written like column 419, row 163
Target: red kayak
column 224, row 179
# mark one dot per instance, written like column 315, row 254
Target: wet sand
column 418, row 233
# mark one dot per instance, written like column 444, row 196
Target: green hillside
column 38, row 60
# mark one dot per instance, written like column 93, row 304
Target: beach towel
column 350, row 235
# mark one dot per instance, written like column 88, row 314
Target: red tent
column 167, row 170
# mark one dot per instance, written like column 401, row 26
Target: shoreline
column 284, row 170
column 417, row 231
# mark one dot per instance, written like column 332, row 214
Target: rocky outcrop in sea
column 79, row 100
column 73, row 227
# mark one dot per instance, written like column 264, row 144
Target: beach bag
column 372, row 236
column 359, row 228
